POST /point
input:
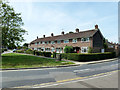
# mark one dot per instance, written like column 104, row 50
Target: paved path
column 31, row 77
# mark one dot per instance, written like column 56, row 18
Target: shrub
column 19, row 51
column 68, row 49
column 54, row 54
column 46, row 54
column 5, row 49
column 88, row 57
column 2, row 50
column 90, row 50
column 29, row 51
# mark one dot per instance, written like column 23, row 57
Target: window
column 35, row 48
column 84, row 49
column 43, row 42
column 53, row 49
column 66, row 41
column 58, row 42
column 39, row 43
column 52, row 42
column 36, row 43
column 47, row 42
column 74, row 40
column 84, row 39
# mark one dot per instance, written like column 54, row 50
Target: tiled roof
column 88, row 33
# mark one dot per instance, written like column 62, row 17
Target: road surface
column 52, row 77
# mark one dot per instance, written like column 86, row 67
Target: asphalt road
column 18, row 78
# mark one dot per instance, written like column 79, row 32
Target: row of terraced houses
column 79, row 40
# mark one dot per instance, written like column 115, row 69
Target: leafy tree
column 25, row 44
column 12, row 33
column 105, row 44
column 90, row 50
column 68, row 49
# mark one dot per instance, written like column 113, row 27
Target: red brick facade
column 78, row 40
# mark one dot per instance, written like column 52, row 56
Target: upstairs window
column 58, row 42
column 84, row 39
column 43, row 42
column 36, row 43
column 74, row 41
column 39, row 43
column 66, row 41
column 52, row 42
column 47, row 42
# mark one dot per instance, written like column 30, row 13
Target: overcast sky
column 44, row 18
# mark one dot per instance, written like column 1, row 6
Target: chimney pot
column 43, row 36
column 77, row 30
column 62, row 32
column 96, row 26
column 37, row 37
column 52, row 34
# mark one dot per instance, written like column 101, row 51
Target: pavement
column 63, row 77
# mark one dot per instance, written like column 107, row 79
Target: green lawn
column 15, row 60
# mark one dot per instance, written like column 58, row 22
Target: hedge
column 19, row 51
column 29, row 52
column 88, row 57
column 46, row 54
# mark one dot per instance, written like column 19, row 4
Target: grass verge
column 15, row 60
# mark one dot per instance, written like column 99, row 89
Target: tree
column 12, row 33
column 68, row 49
column 90, row 50
column 25, row 44
column 105, row 44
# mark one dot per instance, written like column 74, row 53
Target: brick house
column 80, row 41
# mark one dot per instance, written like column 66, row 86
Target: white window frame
column 74, row 40
column 82, row 49
column 52, row 42
column 43, row 42
column 47, row 42
column 58, row 42
column 36, row 43
column 87, row 39
column 66, row 41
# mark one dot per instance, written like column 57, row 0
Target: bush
column 4, row 49
column 29, row 51
column 90, row 50
column 88, row 57
column 54, row 54
column 68, row 49
column 46, row 54
column 19, row 51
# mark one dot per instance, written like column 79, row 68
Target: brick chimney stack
column 52, row 34
column 96, row 26
column 77, row 30
column 43, row 36
column 62, row 32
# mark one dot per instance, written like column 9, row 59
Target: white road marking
column 81, row 70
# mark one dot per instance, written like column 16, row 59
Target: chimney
column 43, row 36
column 96, row 26
column 52, row 34
column 77, row 30
column 37, row 37
column 62, row 32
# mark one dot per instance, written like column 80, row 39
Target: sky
column 44, row 18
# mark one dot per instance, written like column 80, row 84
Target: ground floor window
column 84, row 49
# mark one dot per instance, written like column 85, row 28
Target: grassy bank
column 15, row 60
